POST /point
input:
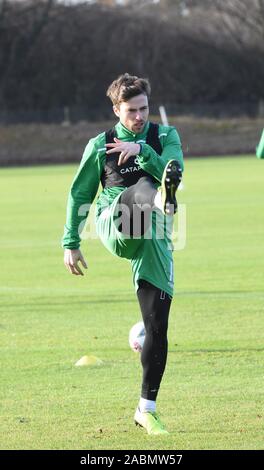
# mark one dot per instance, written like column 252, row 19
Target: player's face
column 133, row 114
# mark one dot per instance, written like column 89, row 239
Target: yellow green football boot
column 150, row 421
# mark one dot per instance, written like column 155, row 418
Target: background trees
column 55, row 55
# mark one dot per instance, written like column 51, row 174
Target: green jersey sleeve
column 153, row 163
column 82, row 192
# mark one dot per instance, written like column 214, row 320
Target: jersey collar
column 123, row 132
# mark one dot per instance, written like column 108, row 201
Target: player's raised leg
column 146, row 197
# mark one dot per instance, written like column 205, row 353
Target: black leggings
column 155, row 307
column 138, row 202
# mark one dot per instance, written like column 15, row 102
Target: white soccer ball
column 137, row 336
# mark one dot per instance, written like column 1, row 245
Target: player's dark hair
column 127, row 86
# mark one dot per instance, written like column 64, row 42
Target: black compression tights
column 138, row 202
column 155, row 307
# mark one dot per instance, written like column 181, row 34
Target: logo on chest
column 130, row 166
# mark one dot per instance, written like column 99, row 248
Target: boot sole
column 171, row 179
column 157, row 434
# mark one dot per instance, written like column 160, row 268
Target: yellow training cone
column 89, row 361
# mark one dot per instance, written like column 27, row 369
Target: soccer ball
column 137, row 336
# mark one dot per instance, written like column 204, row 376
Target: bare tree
column 27, row 20
column 55, row 54
column 242, row 20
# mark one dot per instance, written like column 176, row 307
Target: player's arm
column 153, row 163
column 82, row 193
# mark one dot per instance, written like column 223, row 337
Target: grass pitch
column 212, row 391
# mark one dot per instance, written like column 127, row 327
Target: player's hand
column 126, row 149
column 71, row 259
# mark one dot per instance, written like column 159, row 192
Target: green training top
column 87, row 179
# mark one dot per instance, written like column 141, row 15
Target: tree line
column 55, row 55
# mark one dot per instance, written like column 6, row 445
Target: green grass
column 212, row 393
